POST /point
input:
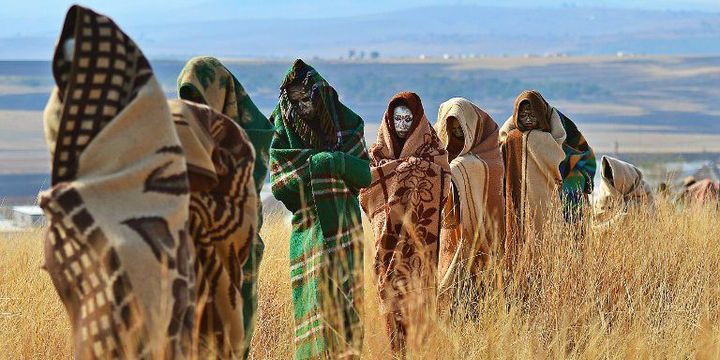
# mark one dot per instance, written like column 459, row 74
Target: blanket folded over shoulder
column 222, row 221
column 532, row 172
column 317, row 167
column 477, row 177
column 410, row 182
column 117, row 248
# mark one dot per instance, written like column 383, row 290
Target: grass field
column 646, row 288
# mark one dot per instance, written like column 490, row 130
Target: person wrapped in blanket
column 117, row 248
column 318, row 163
column 622, row 188
column 698, row 193
column 410, row 185
column 205, row 80
column 532, row 148
column 473, row 218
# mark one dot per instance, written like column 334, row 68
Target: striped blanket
column 317, row 167
column 410, row 183
column 474, row 217
column 206, row 80
column 532, row 172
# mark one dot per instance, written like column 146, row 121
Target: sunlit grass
column 643, row 288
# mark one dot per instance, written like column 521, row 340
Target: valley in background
column 661, row 112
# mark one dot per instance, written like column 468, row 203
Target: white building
column 27, row 216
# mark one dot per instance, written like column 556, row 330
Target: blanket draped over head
column 117, row 248
column 206, row 80
column 532, row 170
column 410, row 181
column 316, row 168
column 577, row 169
column 621, row 186
column 702, row 192
column 222, row 221
column 477, row 177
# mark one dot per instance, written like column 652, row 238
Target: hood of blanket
column 539, row 106
column 481, row 132
column 326, row 130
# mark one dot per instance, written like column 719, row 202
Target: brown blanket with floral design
column 410, row 182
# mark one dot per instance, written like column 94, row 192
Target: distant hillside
column 432, row 31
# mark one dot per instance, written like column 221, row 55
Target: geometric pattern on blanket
column 117, row 246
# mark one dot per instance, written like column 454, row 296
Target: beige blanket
column 117, row 245
column 532, row 160
column 474, row 216
column 621, row 187
column 222, row 221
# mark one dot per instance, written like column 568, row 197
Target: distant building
column 27, row 216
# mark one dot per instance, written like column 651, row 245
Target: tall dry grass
column 646, row 287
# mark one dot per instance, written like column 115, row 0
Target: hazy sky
column 43, row 17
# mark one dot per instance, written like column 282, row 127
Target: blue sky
column 43, row 17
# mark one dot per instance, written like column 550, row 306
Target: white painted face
column 402, row 117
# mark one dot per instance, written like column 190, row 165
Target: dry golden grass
column 645, row 288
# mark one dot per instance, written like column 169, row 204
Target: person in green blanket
column 318, row 163
column 206, row 80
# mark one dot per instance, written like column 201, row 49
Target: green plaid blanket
column 206, row 80
column 317, row 175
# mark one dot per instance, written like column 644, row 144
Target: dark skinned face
column 300, row 99
column 527, row 117
column 455, row 129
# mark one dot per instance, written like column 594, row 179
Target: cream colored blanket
column 476, row 220
column 621, row 187
column 532, row 178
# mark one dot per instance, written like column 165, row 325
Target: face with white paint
column 402, row 118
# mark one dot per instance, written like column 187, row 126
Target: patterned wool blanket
column 532, row 172
column 117, row 247
column 473, row 222
column 206, row 80
column 317, row 167
column 621, row 187
column 577, row 170
column 222, row 222
column 410, row 182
